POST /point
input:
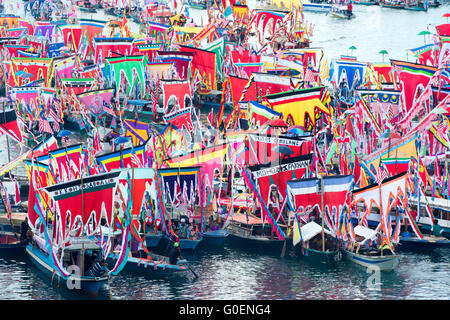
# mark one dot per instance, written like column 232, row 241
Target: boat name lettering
column 287, row 142
column 284, row 167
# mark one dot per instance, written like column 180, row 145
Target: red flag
column 17, row 185
column 211, row 118
column 357, row 170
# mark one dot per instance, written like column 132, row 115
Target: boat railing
column 238, row 229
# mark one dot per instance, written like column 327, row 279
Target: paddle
column 193, row 272
column 283, row 251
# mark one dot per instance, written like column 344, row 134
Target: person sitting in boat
column 174, row 253
column 210, row 222
column 23, row 230
column 134, row 248
column 183, row 233
column 214, row 226
column 117, row 246
column 194, row 232
column 436, row 228
column 99, row 269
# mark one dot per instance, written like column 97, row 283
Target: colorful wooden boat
column 382, row 263
column 310, row 248
column 416, row 6
column 10, row 243
column 162, row 241
column 340, row 11
column 317, row 7
column 394, row 4
column 369, row 257
column 248, row 232
column 197, row 4
column 367, row 2
column 428, row 243
column 141, row 108
column 433, row 3
column 40, row 257
column 441, row 210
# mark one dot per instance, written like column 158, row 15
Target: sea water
column 234, row 274
column 231, row 273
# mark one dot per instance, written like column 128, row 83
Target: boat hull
column 392, row 6
column 9, row 243
column 342, row 15
column 148, row 267
column 426, row 244
column 415, row 8
column 215, row 238
column 384, row 263
column 369, row 3
column 189, row 244
column 320, row 257
column 90, row 285
column 257, row 243
column 152, row 240
column 161, row 242
column 316, row 7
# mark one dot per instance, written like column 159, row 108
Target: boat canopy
column 365, row 232
column 310, row 230
column 88, row 245
column 138, row 102
column 242, row 218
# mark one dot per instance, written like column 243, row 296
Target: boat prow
column 79, row 283
column 215, row 238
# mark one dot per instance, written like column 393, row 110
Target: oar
column 193, row 272
column 283, row 251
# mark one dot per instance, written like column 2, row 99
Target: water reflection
column 239, row 275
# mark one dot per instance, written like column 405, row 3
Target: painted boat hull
column 152, row 240
column 258, row 243
column 319, row 257
column 148, row 267
column 316, row 7
column 90, row 285
column 164, row 241
column 426, row 244
column 341, row 15
column 415, row 8
column 215, row 238
column 9, row 243
column 188, row 244
column 369, row 3
column 385, row 263
column 391, row 6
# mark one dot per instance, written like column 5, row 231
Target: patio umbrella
column 64, row 133
column 351, row 49
column 446, row 15
column 278, row 123
column 423, row 33
column 285, row 150
column 383, row 52
column 121, row 140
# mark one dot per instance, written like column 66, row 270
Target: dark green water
column 234, row 274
